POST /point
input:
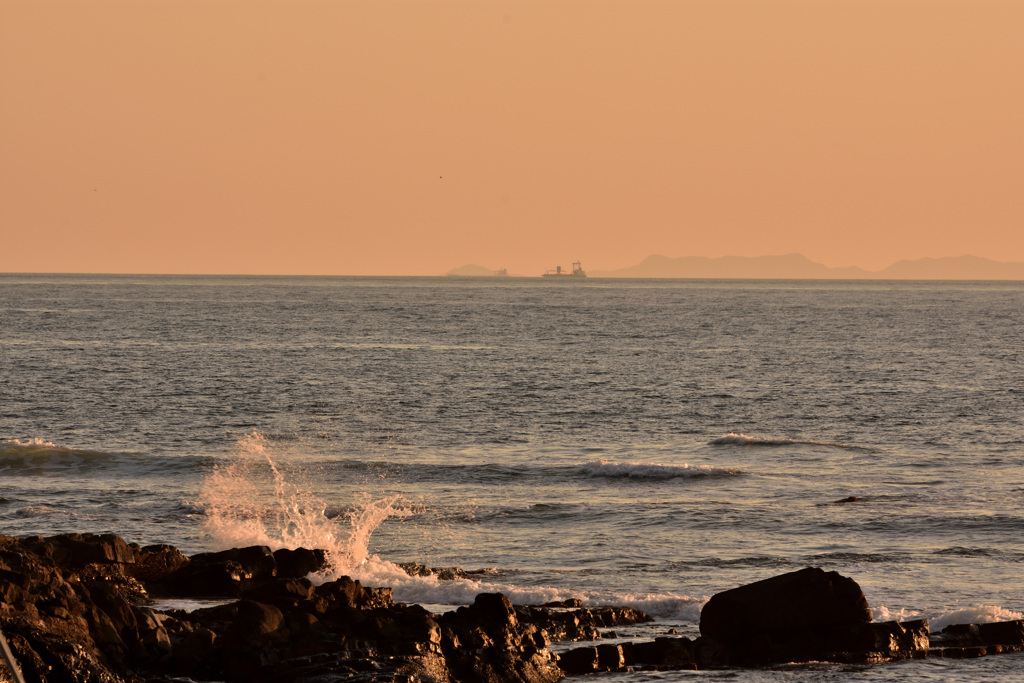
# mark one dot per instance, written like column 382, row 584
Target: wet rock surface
column 77, row 607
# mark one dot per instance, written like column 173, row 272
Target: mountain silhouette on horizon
column 798, row 266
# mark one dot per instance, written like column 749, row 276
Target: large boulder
column 799, row 616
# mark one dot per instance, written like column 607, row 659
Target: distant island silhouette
column 473, row 270
column 797, row 267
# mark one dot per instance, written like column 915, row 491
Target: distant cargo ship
column 577, row 271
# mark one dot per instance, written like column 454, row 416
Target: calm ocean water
column 638, row 442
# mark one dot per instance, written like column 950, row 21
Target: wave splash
column 249, row 500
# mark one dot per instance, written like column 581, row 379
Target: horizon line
column 444, row 276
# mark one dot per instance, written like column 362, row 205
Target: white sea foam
column 188, row 604
column 667, row 606
column 733, row 439
column 431, row 590
column 28, row 444
column 191, row 508
column 981, row 614
column 643, row 470
column 883, row 613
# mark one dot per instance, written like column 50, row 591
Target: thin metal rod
column 11, row 664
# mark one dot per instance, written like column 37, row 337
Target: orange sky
column 384, row 137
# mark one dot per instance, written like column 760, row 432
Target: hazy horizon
column 610, row 272
column 399, row 137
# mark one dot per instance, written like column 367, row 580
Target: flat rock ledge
column 80, row 608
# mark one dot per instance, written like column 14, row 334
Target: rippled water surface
column 641, row 442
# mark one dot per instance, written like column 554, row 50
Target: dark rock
column 409, row 628
column 415, row 569
column 1002, row 633
column 81, row 549
column 579, row 661
column 197, row 654
column 618, row 616
column 48, row 657
column 225, row 573
column 583, row 623
column 250, row 640
column 972, row 640
column 666, row 653
column 156, row 564
column 283, row 593
column 571, row 602
column 105, row 634
column 799, row 616
column 121, row 617
column 298, row 563
column 711, row 654
column 217, row 618
column 486, row 642
column 809, row 597
column 152, row 634
column 254, row 621
column 74, row 609
column 443, row 573
column 610, row 657
column 344, row 593
column 562, row 625
column 895, row 640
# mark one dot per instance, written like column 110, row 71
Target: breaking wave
column 42, row 455
column 31, row 511
column 641, row 470
column 38, row 453
column 733, row 439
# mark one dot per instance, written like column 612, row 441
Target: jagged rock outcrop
column 67, row 608
column 76, row 608
column 487, row 642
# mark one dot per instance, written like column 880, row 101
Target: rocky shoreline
column 85, row 608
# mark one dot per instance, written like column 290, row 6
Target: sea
column 631, row 442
